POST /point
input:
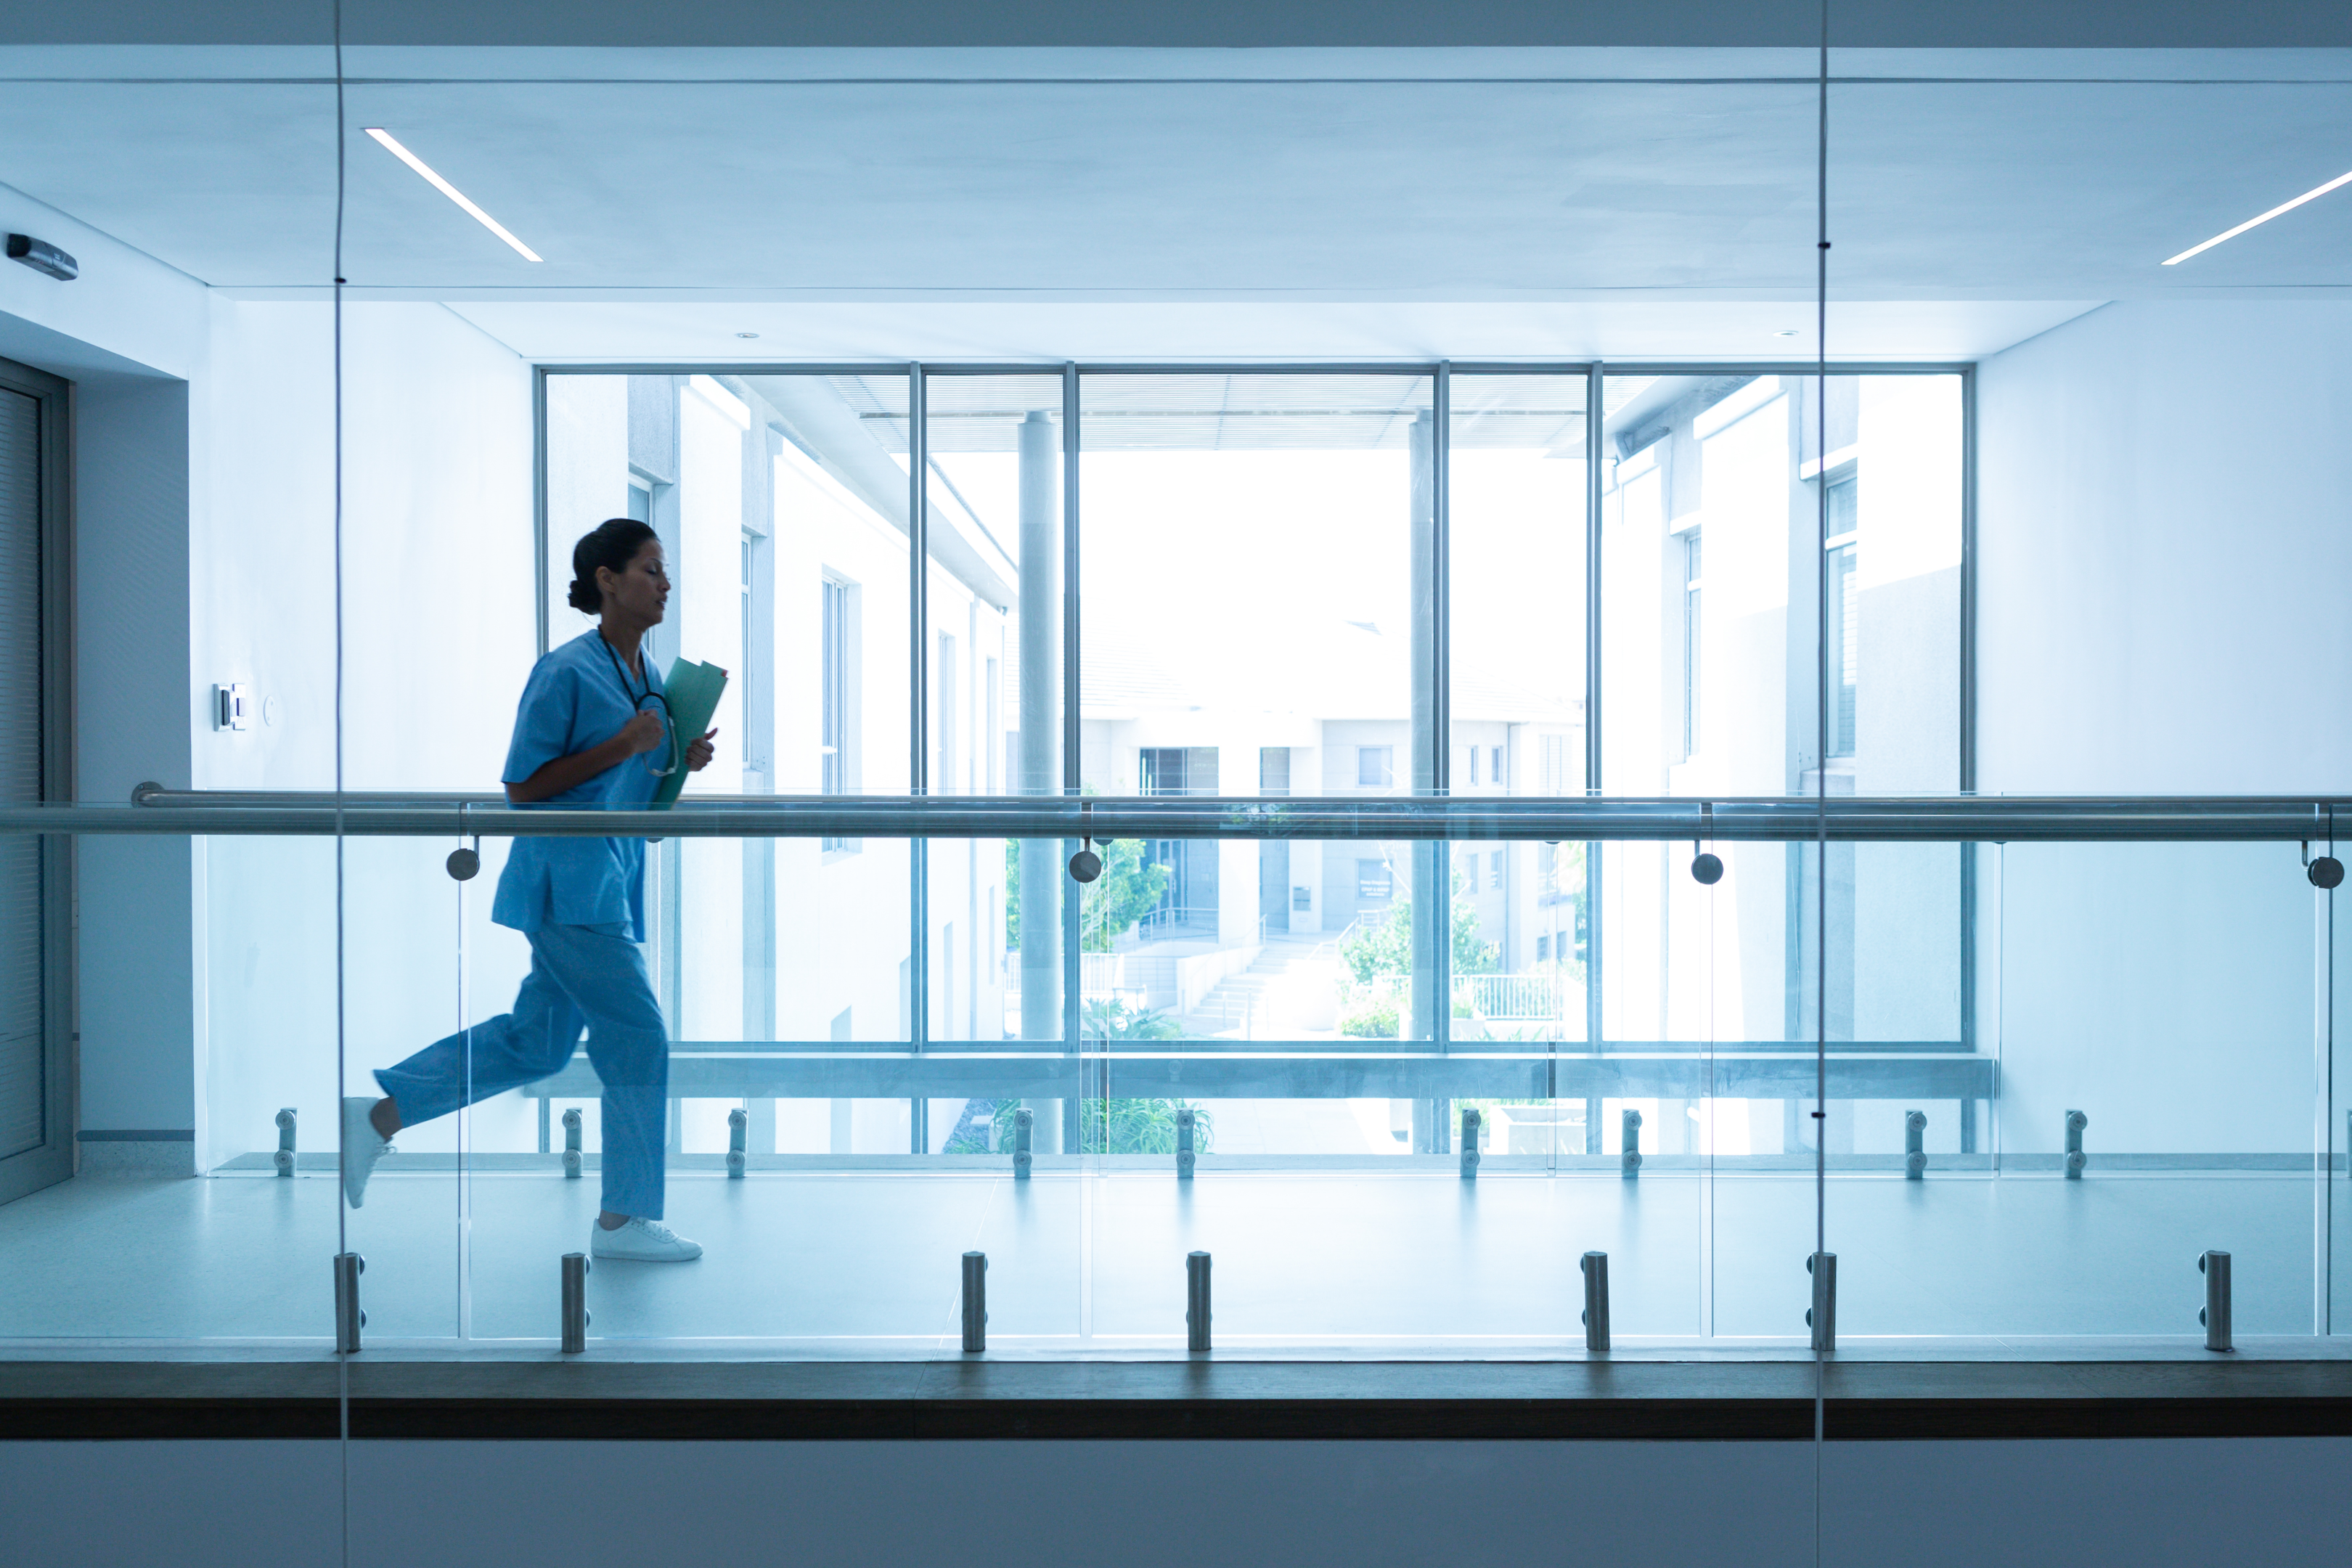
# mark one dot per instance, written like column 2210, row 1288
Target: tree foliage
column 1128, row 889
column 1387, row 948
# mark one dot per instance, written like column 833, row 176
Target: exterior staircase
column 1265, row 1001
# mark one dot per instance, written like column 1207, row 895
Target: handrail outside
column 1852, row 818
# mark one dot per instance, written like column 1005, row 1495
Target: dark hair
column 614, row 543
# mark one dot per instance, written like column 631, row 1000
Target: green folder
column 693, row 691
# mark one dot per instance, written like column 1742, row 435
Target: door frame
column 52, row 1160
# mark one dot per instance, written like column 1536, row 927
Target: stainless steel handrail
column 1850, row 818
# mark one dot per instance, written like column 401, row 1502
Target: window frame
column 1438, row 676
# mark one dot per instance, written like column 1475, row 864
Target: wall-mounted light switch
column 232, row 707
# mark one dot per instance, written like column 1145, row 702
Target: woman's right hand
column 643, row 732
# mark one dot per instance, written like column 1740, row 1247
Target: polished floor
column 834, row 1261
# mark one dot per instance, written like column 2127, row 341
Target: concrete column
column 1432, row 906
column 1428, row 894
column 1041, row 747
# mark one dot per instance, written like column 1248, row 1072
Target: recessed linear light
column 452, row 192
column 1786, row 332
column 747, row 334
column 2343, row 179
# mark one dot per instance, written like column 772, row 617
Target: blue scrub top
column 576, row 698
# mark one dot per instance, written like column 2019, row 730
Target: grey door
column 34, row 1151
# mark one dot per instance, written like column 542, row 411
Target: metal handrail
column 1844, row 819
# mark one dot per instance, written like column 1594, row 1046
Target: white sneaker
column 643, row 1241
column 362, row 1145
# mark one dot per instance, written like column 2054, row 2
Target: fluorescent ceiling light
column 2344, row 179
column 452, row 192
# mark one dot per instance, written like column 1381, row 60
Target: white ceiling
column 1186, row 204
column 596, row 331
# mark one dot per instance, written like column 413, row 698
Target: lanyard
column 637, row 701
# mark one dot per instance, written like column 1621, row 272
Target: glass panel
column 1515, row 524
column 999, row 954
column 994, row 596
column 781, row 512
column 1714, row 500
column 2165, row 992
column 1296, row 676
column 405, row 1012
column 131, row 1247
column 2333, row 1007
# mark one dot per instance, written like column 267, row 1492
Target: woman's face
column 639, row 591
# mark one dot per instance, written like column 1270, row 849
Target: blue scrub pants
column 579, row 975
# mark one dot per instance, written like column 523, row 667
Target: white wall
column 2162, row 534
column 2162, row 537
column 440, row 630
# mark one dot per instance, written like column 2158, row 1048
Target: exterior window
column 1176, row 770
column 1495, row 869
column 1691, row 623
column 1372, row 881
column 1845, row 611
column 1473, row 765
column 1375, row 767
column 1543, row 949
column 1555, row 764
column 1495, row 765
column 1274, row 770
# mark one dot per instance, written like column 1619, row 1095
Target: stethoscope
column 637, row 701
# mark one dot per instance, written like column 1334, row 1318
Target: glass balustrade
column 2063, row 1059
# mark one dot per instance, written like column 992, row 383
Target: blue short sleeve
column 542, row 731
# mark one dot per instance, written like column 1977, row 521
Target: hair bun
column 610, row 545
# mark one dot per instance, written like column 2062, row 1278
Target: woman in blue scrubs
column 592, row 732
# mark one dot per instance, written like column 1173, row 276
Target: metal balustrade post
column 284, row 1158
column 1821, row 1316
column 976, row 1302
column 738, row 1121
column 2075, row 1158
column 349, row 1319
column 1630, row 1150
column 2215, row 1315
column 1473, row 1123
column 1196, row 1301
column 1023, row 1120
column 576, row 1302
column 571, row 1144
column 1915, row 1145
column 1596, row 1300
column 1185, row 1153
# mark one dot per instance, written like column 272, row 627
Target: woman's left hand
column 698, row 754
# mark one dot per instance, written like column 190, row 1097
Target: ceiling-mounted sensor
column 43, row 257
